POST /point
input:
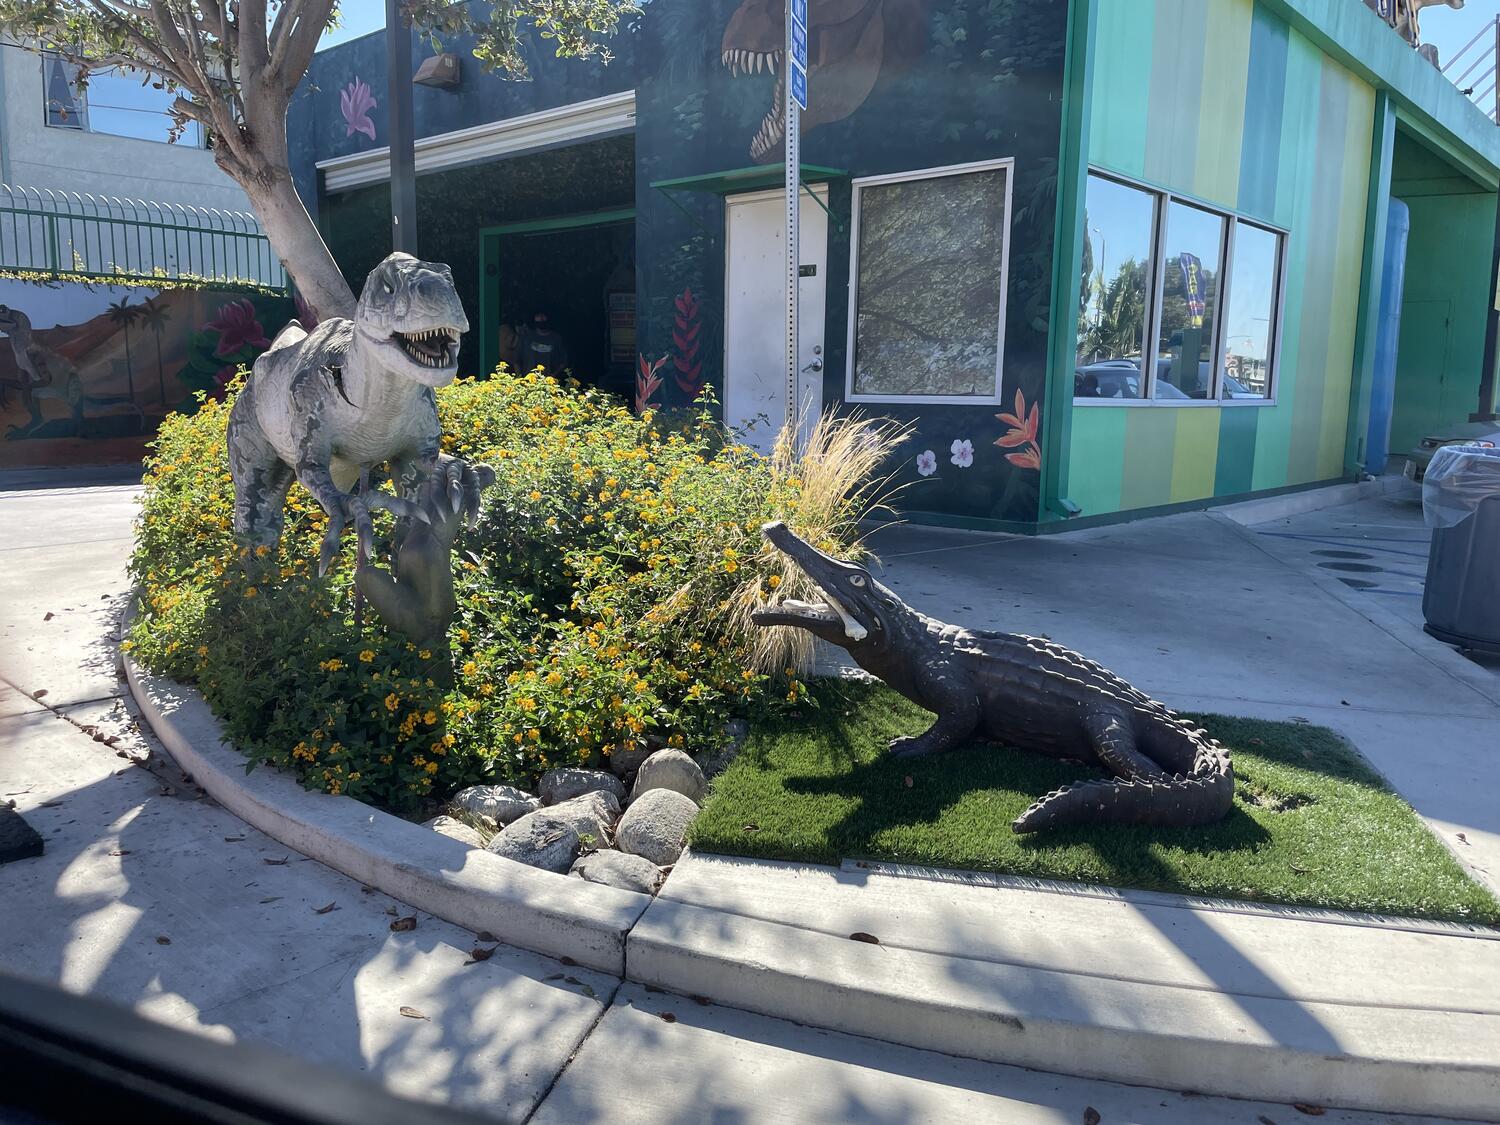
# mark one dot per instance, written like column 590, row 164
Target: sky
column 360, row 17
column 1449, row 30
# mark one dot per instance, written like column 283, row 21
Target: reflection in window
column 1250, row 313
column 60, row 93
column 113, row 101
column 929, row 280
column 1119, row 229
column 1189, row 302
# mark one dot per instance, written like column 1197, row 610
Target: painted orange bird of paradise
column 1023, row 430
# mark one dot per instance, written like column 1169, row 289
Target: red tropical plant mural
column 1023, row 430
column 686, row 328
column 647, row 383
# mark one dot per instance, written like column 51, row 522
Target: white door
column 755, row 398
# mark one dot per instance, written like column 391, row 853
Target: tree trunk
column 296, row 241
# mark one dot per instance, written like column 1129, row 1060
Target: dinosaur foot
column 355, row 509
column 463, row 483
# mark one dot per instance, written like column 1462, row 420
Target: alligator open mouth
column 773, row 127
column 432, row 347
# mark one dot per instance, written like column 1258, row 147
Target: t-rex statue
column 850, row 43
column 1019, row 691
column 47, row 373
column 325, row 407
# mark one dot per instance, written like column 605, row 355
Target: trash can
column 1461, row 503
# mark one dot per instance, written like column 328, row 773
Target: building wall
column 1222, row 101
column 98, row 163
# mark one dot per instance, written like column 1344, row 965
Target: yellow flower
column 463, row 635
column 534, row 734
column 366, row 656
column 431, row 767
column 731, row 566
column 425, row 654
column 469, row 668
column 251, row 591
column 430, row 718
column 262, row 551
column 774, row 581
column 331, row 665
column 527, row 704
column 392, row 701
column 535, row 495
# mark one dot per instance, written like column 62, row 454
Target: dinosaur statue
column 47, row 373
column 1023, row 692
column 325, row 407
column 850, row 43
column 415, row 597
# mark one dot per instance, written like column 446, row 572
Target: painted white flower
column 927, row 462
column 963, row 453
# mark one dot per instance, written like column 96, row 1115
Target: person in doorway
column 506, row 342
column 538, row 345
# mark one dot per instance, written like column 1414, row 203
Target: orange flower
column 1023, row 430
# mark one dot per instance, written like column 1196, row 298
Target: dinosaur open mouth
column 773, row 127
column 433, row 347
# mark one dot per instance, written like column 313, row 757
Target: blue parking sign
column 799, row 85
column 799, row 11
column 799, row 44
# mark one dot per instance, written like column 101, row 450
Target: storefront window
column 1250, row 314
column 929, row 276
column 1120, row 229
column 1194, row 243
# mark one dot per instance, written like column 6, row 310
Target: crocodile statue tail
column 1200, row 797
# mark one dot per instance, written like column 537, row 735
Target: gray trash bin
column 1461, row 502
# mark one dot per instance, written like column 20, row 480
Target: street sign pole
column 403, row 156
column 795, row 82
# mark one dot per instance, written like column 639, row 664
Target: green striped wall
column 1220, row 100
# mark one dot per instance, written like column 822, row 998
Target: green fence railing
column 99, row 238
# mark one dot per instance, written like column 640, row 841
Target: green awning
column 758, row 178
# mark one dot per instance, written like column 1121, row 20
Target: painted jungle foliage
column 896, row 86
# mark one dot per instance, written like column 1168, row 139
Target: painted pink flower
column 927, row 462
column 238, row 328
column 307, row 316
column 963, row 452
column 355, row 102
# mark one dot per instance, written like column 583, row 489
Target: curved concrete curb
column 522, row 906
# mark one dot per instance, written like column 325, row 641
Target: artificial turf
column 1312, row 823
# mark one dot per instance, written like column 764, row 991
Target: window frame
column 86, row 119
column 1162, row 199
column 1008, row 163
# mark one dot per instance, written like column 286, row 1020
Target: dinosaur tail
column 1196, row 798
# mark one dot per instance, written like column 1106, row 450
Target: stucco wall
column 75, row 161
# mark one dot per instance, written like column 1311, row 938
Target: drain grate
column 1329, row 553
column 1359, row 583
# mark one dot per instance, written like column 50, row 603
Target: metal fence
column 74, row 234
column 1472, row 69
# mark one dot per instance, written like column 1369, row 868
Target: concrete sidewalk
column 1209, row 615
column 135, row 857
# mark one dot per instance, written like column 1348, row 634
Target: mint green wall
column 1444, row 306
column 1222, row 101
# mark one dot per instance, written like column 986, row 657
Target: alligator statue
column 327, row 406
column 45, row 373
column 1019, row 691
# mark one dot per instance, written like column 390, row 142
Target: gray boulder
column 671, row 769
column 455, row 830
column 655, row 824
column 626, row 760
column 501, row 803
column 564, row 784
column 539, row 840
column 616, row 869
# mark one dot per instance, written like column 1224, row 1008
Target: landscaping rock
column 539, row 839
column 655, row 824
column 456, row 830
column 501, row 803
column 617, row 869
column 671, row 769
column 564, row 784
column 624, row 762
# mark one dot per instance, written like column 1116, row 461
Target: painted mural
column 87, row 372
column 1223, row 102
column 896, row 86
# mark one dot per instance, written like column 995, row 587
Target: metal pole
column 792, row 128
column 398, row 104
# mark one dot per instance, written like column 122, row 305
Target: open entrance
column 560, row 293
column 1444, row 306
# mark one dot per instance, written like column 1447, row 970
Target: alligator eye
column 856, row 580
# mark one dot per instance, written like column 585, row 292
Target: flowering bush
column 600, row 598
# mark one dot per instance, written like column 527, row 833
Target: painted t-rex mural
column 44, row 373
column 850, row 44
